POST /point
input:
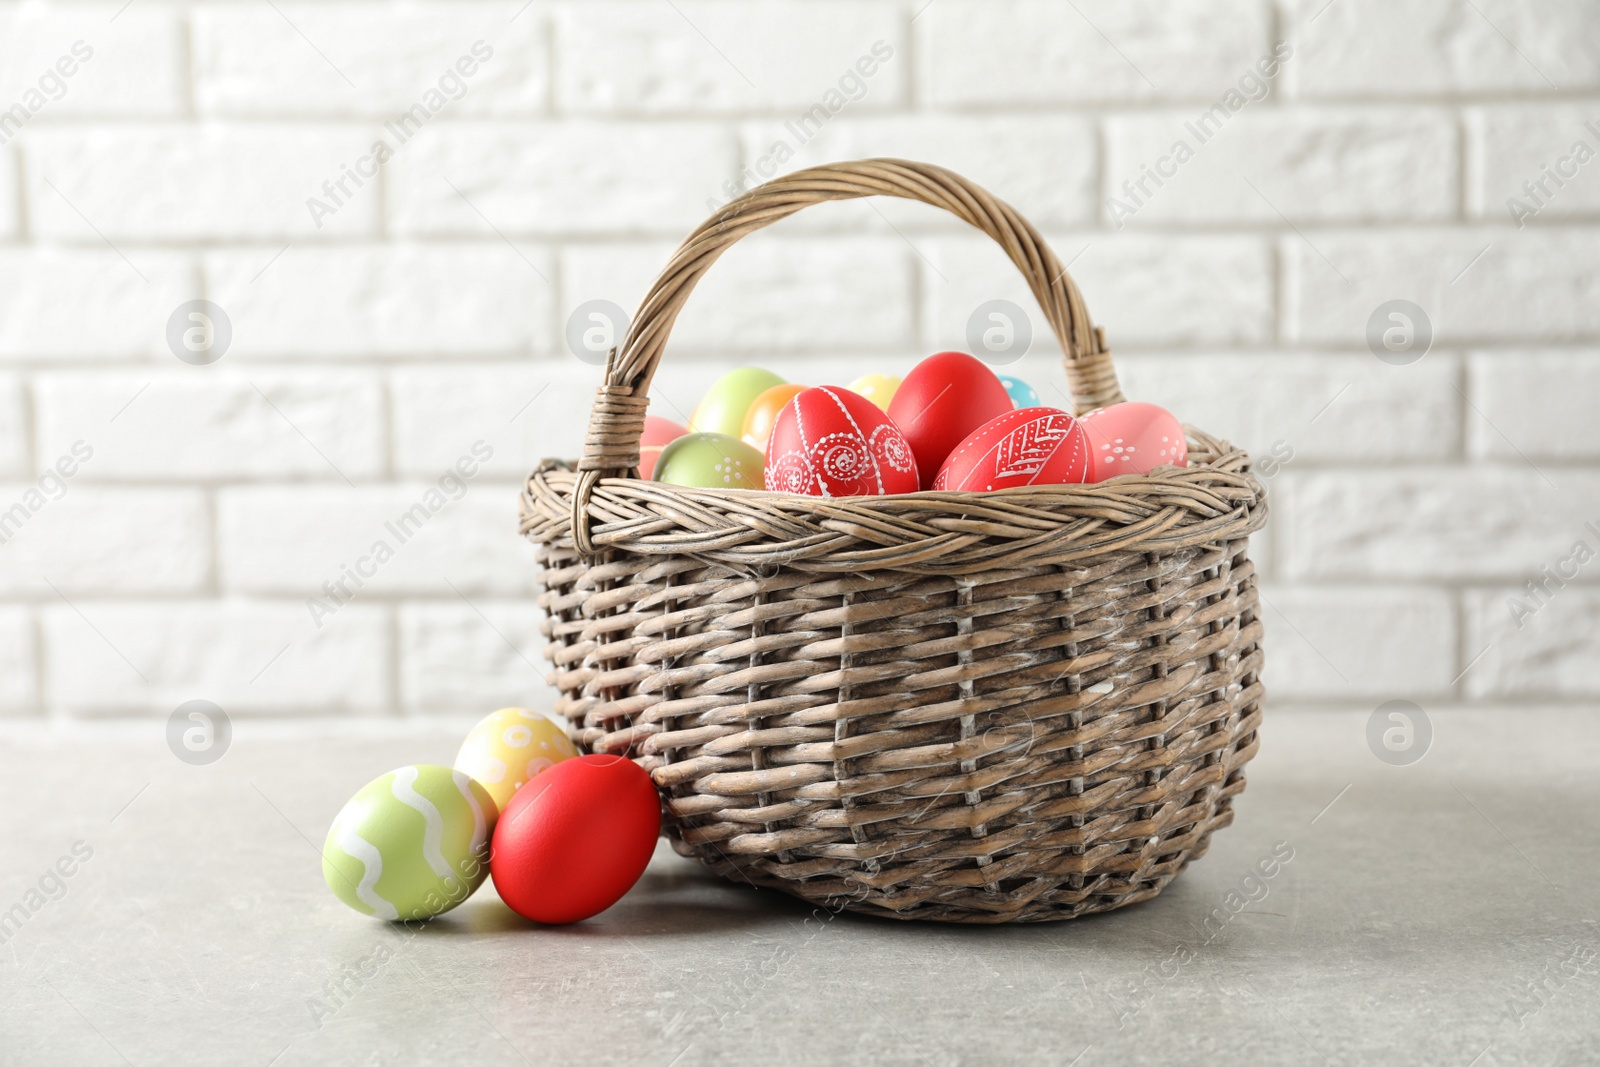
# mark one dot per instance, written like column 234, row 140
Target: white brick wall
column 570, row 144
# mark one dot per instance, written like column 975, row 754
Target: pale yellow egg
column 878, row 388
column 509, row 747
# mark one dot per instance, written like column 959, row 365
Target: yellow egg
column 878, row 388
column 509, row 747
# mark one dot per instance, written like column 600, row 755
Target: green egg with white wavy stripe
column 411, row 844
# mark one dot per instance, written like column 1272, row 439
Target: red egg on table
column 1133, row 438
column 763, row 414
column 829, row 441
column 658, row 434
column 575, row 839
column 1030, row 446
column 941, row 402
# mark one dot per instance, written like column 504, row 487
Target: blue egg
column 1022, row 394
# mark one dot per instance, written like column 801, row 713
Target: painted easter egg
column 831, row 442
column 878, row 388
column 710, row 461
column 658, row 434
column 411, row 844
column 1133, row 438
column 940, row 403
column 763, row 413
column 1031, row 446
column 1022, row 394
column 576, row 838
column 723, row 407
column 508, row 747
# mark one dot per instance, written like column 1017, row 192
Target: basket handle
column 616, row 422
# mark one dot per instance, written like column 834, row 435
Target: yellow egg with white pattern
column 510, row 746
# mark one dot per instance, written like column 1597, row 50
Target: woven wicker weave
column 1023, row 705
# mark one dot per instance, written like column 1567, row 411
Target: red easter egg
column 1133, row 438
column 575, row 838
column 1030, row 446
column 940, row 403
column 658, row 434
column 829, row 441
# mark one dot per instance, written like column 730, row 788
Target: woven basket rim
column 1216, row 497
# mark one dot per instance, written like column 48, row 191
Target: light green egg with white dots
column 411, row 844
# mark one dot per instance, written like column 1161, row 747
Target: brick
column 1555, row 651
column 13, row 429
column 246, row 657
column 137, row 66
column 1439, row 522
column 291, row 540
column 719, row 56
column 1370, row 48
column 1535, row 285
column 1531, row 156
column 252, row 61
column 153, row 183
column 1143, row 290
column 19, row 683
column 50, row 293
column 1305, row 163
column 548, row 178
column 1331, row 644
column 94, row 539
column 766, row 294
column 454, row 660
column 987, row 52
column 209, row 423
column 1046, row 166
column 1311, row 408
column 1535, row 404
column 524, row 412
column 391, row 300
column 528, row 413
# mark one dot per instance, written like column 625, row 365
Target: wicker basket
column 1022, row 705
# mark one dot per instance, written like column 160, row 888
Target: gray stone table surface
column 1443, row 912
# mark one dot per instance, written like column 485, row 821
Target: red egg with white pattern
column 828, row 441
column 1133, row 438
column 941, row 402
column 1030, row 446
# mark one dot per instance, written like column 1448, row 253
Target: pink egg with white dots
column 510, row 746
column 1133, row 438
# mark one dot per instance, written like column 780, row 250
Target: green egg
column 723, row 408
column 411, row 844
column 711, row 461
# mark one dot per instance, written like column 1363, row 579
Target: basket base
column 1038, row 898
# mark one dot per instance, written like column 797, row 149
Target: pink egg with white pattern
column 828, row 441
column 1029, row 446
column 1133, row 438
